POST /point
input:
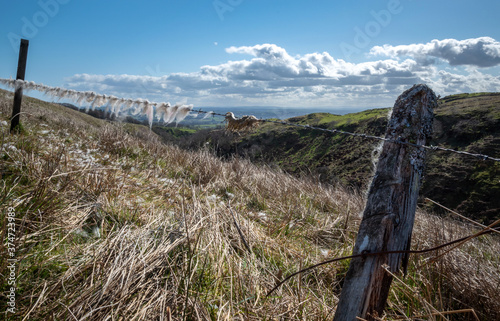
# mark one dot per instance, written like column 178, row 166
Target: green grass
column 167, row 241
column 465, row 122
column 468, row 95
column 340, row 121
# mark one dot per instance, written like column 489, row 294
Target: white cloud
column 273, row 77
column 480, row 52
column 474, row 81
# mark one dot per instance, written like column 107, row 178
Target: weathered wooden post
column 390, row 208
column 18, row 95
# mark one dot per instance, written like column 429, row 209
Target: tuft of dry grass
column 112, row 224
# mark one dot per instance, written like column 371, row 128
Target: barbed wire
column 367, row 136
column 179, row 112
column 487, row 230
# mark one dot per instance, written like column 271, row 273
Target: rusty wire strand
column 366, row 254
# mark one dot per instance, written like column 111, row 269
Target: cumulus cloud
column 480, row 52
column 474, row 81
column 271, row 76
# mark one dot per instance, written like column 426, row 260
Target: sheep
column 250, row 121
column 241, row 124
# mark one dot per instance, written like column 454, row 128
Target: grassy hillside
column 468, row 122
column 111, row 224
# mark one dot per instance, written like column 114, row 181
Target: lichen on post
column 389, row 213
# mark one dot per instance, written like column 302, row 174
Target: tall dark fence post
column 18, row 96
column 389, row 214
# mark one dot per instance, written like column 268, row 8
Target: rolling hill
column 466, row 122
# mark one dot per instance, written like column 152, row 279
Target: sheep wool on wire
column 161, row 109
column 80, row 98
column 210, row 113
column 18, row 83
column 149, row 112
column 74, row 95
column 127, row 105
column 5, row 82
column 182, row 113
column 136, row 106
column 98, row 101
column 170, row 114
column 112, row 102
column 115, row 105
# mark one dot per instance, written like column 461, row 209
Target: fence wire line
column 365, row 254
column 80, row 96
column 366, row 136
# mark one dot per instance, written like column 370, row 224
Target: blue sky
column 254, row 52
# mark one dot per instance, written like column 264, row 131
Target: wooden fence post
column 390, row 208
column 18, row 96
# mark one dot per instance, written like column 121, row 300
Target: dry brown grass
column 114, row 225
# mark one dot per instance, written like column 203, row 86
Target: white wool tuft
column 138, row 105
column 148, row 110
column 150, row 114
column 114, row 104
column 81, row 97
column 90, row 96
column 98, row 102
column 62, row 93
column 182, row 113
column 161, row 109
column 145, row 107
column 119, row 106
column 73, row 95
column 127, row 104
column 210, row 113
column 29, row 85
column 170, row 114
column 18, row 83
